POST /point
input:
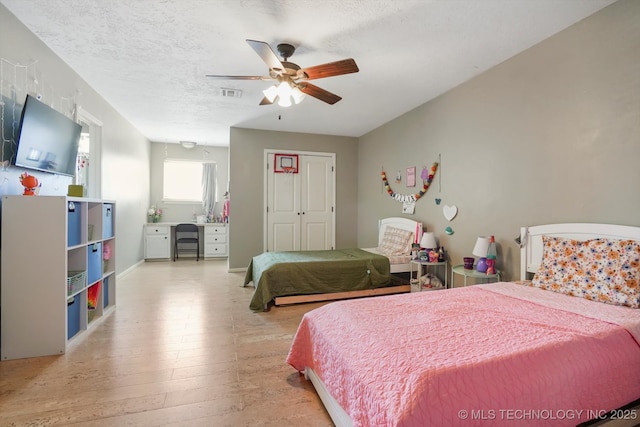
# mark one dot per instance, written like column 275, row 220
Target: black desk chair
column 186, row 235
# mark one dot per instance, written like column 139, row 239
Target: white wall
column 175, row 212
column 125, row 152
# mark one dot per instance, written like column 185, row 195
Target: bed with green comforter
column 277, row 274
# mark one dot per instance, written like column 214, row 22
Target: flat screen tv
column 48, row 140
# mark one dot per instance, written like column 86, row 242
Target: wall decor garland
column 16, row 81
column 407, row 198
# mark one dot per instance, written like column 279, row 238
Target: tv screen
column 48, row 140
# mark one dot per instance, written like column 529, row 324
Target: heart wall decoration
column 450, row 212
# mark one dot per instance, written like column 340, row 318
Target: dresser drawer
column 215, row 238
column 213, row 230
column 213, row 250
column 156, row 229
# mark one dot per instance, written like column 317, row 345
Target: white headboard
column 531, row 239
column 397, row 222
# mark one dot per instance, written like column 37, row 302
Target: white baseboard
column 130, row 269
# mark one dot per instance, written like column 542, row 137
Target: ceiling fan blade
column 346, row 66
column 265, row 101
column 267, row 54
column 321, row 94
column 214, row 76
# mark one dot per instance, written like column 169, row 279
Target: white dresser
column 215, row 240
column 158, row 240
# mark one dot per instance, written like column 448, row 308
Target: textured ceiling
column 148, row 58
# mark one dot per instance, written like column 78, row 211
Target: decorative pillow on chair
column 604, row 270
column 396, row 241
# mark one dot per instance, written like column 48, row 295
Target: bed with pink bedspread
column 498, row 354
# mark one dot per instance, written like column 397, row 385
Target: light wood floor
column 181, row 349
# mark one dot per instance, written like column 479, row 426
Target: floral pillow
column 396, row 241
column 603, row 270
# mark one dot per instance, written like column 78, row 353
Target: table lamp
column 428, row 240
column 429, row 244
column 480, row 250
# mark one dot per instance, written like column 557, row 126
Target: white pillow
column 396, row 241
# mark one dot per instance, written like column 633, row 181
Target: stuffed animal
column 30, row 183
column 430, row 281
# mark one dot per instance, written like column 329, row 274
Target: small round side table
column 476, row 275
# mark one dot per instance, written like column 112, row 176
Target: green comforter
column 277, row 274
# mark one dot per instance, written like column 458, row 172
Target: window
column 89, row 166
column 183, row 180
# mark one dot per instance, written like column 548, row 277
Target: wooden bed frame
column 397, row 222
column 531, row 257
column 296, row 299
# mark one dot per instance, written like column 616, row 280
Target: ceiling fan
column 292, row 81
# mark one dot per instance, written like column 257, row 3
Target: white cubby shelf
column 55, row 281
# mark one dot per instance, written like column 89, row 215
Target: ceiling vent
column 231, row 93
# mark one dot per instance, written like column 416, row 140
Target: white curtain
column 208, row 188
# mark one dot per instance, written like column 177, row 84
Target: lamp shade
column 428, row 240
column 284, row 93
column 271, row 93
column 481, row 247
column 297, row 95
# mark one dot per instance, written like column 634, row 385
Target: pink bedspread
column 466, row 356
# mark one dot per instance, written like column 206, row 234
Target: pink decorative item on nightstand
column 491, row 266
column 492, row 256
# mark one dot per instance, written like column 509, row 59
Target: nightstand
column 419, row 265
column 476, row 275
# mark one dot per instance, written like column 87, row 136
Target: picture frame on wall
column 285, row 163
column 411, row 176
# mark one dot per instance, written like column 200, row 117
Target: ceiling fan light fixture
column 297, row 95
column 284, row 90
column 284, row 101
column 288, row 75
column 284, row 93
column 288, row 93
column 271, row 93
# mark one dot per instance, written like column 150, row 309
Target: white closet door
column 316, row 203
column 283, row 217
column 299, row 212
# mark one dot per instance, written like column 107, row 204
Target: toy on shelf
column 30, row 184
